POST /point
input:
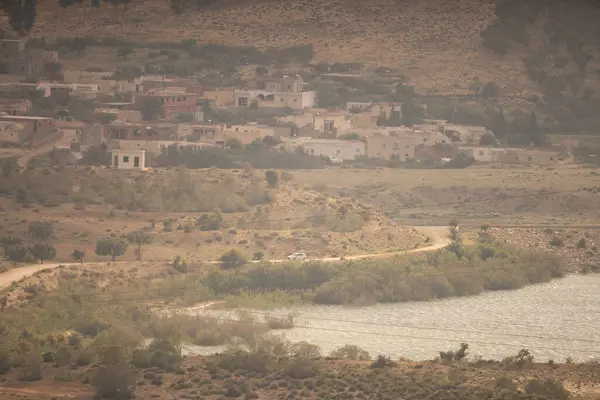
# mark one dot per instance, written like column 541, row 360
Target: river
column 555, row 320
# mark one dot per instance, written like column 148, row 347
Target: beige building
column 343, row 149
column 121, row 114
column 222, row 97
column 333, row 123
column 36, row 127
column 15, row 106
column 128, row 159
column 277, row 93
column 391, row 148
column 513, row 155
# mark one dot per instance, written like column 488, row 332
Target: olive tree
column 111, row 246
column 43, row 252
column 41, row 230
column 139, row 238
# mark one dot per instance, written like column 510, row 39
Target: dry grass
column 411, row 195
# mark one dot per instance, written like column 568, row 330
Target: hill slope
column 437, row 43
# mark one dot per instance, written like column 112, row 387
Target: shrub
column 210, row 222
column 43, row 252
column 351, row 352
column 454, row 355
column 305, row 350
column 272, row 178
column 115, row 382
column 259, row 255
column 32, row 367
column 382, row 362
column 301, row 369
column 556, row 241
column 233, row 259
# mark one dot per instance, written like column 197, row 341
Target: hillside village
column 150, row 113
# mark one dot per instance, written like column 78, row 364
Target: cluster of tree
column 35, row 247
column 257, row 154
column 115, row 246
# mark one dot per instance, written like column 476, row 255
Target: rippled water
column 554, row 321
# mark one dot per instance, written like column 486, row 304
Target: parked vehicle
column 336, row 160
column 297, row 256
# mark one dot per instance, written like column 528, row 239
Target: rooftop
column 22, row 117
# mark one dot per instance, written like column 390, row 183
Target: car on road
column 297, row 256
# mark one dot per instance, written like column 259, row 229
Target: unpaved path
column 436, row 233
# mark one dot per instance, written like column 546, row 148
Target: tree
column 411, row 113
column 115, row 382
column 96, row 155
column 233, row 259
column 272, row 178
column 111, row 246
column 487, row 140
column 78, row 255
column 139, row 238
column 234, row 144
column 43, row 252
column 41, row 230
column 455, row 245
column 151, row 108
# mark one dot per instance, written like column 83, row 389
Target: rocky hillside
column 438, row 44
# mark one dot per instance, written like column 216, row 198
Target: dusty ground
column 416, row 37
column 195, row 380
column 501, row 195
column 290, row 227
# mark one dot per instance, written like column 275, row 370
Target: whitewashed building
column 128, row 159
column 343, row 149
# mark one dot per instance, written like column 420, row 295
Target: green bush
column 233, row 259
column 351, row 352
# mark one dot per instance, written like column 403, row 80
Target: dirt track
column 437, row 234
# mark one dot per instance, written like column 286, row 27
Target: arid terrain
column 291, row 219
column 414, row 37
column 500, row 195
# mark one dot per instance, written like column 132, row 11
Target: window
column 125, row 159
column 243, row 101
column 407, row 146
column 529, row 158
column 137, row 132
column 481, row 152
column 337, row 152
column 551, row 158
column 136, row 161
column 383, row 146
column 295, row 100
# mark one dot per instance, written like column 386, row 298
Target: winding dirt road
column 436, row 233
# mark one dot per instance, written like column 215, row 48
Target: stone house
column 399, row 148
column 76, row 76
column 343, row 149
column 332, row 123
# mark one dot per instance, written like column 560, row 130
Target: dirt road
column 436, row 233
